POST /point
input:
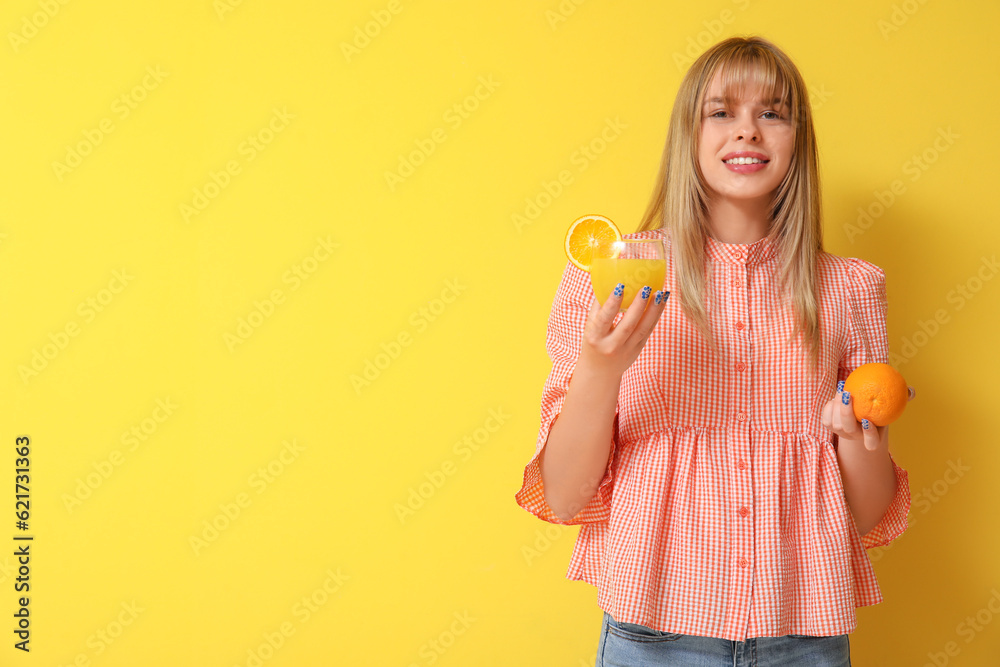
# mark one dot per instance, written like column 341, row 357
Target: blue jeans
column 630, row 645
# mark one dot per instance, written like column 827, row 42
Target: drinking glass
column 635, row 262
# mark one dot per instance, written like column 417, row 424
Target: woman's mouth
column 745, row 165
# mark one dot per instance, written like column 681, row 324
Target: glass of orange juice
column 636, row 263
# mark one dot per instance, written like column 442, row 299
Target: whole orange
column 879, row 393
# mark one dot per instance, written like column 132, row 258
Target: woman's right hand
column 610, row 348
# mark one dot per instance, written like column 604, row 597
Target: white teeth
column 743, row 160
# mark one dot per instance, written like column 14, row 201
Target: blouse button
column 743, row 562
column 741, row 416
column 744, row 511
column 737, row 283
column 740, row 325
column 742, row 465
column 738, row 255
column 740, row 366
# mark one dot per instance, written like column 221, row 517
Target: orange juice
column 605, row 273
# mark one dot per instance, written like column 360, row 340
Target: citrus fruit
column 589, row 234
column 879, row 393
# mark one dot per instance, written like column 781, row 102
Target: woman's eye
column 771, row 115
column 718, row 114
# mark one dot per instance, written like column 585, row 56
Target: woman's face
column 758, row 130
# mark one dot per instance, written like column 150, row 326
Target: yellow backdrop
column 275, row 282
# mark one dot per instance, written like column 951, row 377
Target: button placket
column 741, row 312
column 743, row 498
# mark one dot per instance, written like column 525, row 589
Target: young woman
column 726, row 494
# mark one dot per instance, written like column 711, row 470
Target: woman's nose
column 747, row 129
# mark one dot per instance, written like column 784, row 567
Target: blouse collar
column 739, row 253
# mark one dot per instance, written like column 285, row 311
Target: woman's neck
column 738, row 222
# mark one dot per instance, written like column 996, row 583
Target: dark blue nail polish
column 865, row 423
column 644, row 294
column 619, row 289
column 658, row 298
column 840, row 386
column 847, row 397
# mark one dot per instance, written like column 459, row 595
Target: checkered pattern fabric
column 722, row 511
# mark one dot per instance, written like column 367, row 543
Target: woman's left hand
column 838, row 416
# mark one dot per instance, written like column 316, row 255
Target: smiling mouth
column 745, row 160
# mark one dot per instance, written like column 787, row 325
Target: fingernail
column 840, row 386
column 847, row 398
column 619, row 289
column 644, row 294
column 658, row 298
column 864, row 424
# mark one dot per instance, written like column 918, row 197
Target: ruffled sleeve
column 868, row 343
column 563, row 337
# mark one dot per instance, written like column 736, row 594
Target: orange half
column 590, row 236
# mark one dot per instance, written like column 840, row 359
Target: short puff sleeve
column 868, row 343
column 562, row 342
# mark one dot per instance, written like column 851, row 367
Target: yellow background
column 466, row 578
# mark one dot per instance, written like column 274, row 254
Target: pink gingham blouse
column 722, row 509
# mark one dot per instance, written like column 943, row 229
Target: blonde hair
column 679, row 202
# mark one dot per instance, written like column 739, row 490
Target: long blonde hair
column 679, row 202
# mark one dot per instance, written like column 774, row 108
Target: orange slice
column 590, row 235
